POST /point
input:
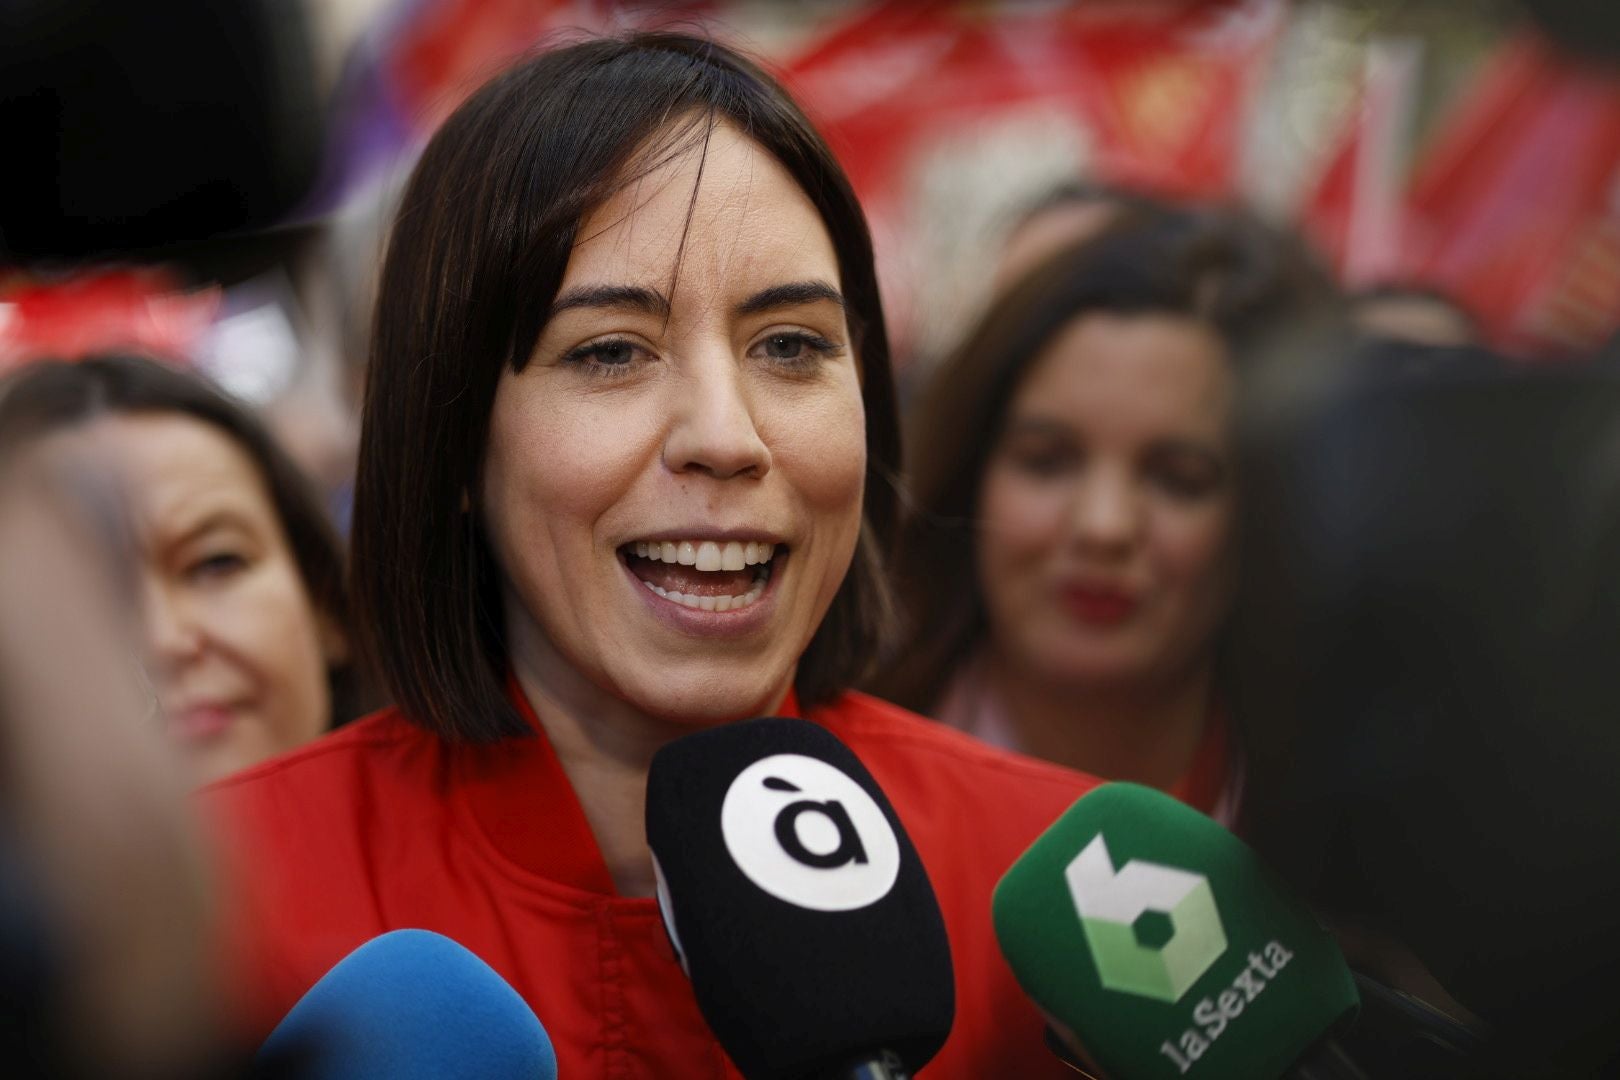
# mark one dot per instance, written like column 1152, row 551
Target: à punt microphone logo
column 806, row 833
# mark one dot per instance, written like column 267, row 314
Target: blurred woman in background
column 1068, row 560
column 1062, row 217
column 241, row 575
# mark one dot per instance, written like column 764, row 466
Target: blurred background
column 1470, row 149
column 210, row 184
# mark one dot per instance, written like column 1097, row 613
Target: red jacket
column 382, row 826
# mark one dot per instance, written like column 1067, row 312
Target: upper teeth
column 705, row 554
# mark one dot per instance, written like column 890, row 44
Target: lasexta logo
column 805, row 832
column 1112, row 904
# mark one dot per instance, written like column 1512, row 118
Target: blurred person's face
column 239, row 654
column 674, row 496
column 1106, row 506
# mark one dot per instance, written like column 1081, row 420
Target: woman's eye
column 1044, row 461
column 794, row 347
column 612, row 356
column 1191, row 480
column 784, row 346
column 216, row 567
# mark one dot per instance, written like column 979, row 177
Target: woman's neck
column 605, row 746
column 1148, row 734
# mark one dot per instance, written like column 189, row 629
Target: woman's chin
column 204, row 765
column 709, row 698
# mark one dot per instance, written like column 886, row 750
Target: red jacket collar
column 525, row 805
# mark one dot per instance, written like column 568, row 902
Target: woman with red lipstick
column 241, row 574
column 1068, row 564
column 624, row 475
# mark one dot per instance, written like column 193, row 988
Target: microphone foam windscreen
column 153, row 125
column 1160, row 940
column 796, row 901
column 410, row 1004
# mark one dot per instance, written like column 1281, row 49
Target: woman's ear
column 334, row 641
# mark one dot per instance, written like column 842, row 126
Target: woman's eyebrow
column 220, row 520
column 789, row 295
column 640, row 298
column 1037, row 424
column 1186, row 445
column 635, row 297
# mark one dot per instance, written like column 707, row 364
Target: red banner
column 1163, row 86
column 1152, row 95
column 143, row 310
column 1514, row 206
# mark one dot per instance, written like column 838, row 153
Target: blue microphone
column 410, row 1005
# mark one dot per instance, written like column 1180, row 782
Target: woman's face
column 1107, row 504
column 672, row 486
column 238, row 653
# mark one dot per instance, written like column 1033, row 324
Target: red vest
column 383, row 826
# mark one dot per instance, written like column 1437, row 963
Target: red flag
column 141, row 310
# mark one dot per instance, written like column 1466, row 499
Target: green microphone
column 1157, row 942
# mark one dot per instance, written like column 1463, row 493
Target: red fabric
column 382, row 826
column 1206, row 779
column 100, row 310
column 1510, row 205
column 1161, row 87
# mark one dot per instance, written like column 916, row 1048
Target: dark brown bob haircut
column 476, row 258
column 53, row 395
column 1251, row 284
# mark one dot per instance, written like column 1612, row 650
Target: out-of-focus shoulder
column 384, row 728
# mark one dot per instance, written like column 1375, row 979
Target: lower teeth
column 710, row 603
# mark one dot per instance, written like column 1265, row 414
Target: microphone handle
column 1326, row 1060
column 877, row 1065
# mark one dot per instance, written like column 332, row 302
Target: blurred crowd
column 1261, row 422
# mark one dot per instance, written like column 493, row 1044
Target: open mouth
column 708, row 575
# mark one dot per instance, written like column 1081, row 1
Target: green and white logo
column 1117, row 911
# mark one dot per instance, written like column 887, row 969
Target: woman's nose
column 171, row 632
column 713, row 430
column 1106, row 515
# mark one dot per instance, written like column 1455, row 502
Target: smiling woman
column 1074, row 468
column 696, row 389
column 241, row 576
column 625, row 474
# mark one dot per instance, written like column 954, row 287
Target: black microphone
column 798, row 905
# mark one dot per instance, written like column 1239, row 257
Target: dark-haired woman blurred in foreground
column 623, row 476
column 104, row 898
column 241, row 576
column 1068, row 562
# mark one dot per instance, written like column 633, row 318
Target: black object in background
column 1396, row 1036
column 1428, row 672
column 798, row 905
column 28, row 982
column 1588, row 28
column 133, row 127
